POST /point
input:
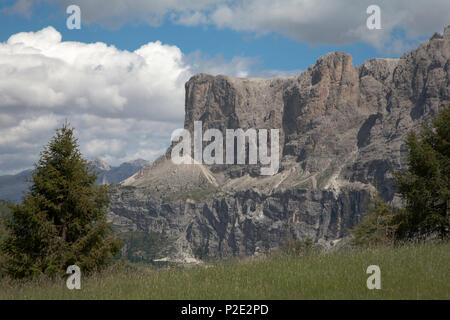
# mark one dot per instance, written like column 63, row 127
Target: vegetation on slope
column 424, row 187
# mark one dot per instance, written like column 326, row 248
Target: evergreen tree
column 424, row 186
column 62, row 220
column 4, row 213
column 377, row 227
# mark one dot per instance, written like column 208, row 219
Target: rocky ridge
column 342, row 130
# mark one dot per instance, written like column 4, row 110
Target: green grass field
column 408, row 272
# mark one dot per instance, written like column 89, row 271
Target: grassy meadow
column 407, row 272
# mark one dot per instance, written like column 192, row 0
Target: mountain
column 13, row 186
column 342, row 132
column 112, row 175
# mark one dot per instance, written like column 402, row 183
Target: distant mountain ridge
column 113, row 175
column 12, row 186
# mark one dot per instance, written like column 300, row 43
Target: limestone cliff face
column 342, row 130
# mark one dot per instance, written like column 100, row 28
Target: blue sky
column 120, row 79
column 272, row 51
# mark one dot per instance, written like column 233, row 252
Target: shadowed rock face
column 342, row 131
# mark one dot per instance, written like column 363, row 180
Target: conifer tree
column 62, row 219
column 377, row 228
column 425, row 184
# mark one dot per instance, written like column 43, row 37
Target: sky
column 119, row 79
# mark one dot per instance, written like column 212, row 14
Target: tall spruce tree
column 62, row 220
column 425, row 184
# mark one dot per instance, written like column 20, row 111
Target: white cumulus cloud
column 41, row 71
column 124, row 105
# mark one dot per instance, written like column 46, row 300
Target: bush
column 301, row 247
column 5, row 211
column 425, row 184
column 424, row 187
column 378, row 227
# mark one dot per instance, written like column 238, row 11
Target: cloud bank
column 124, row 105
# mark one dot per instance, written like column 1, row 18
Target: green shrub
column 301, row 247
column 378, row 227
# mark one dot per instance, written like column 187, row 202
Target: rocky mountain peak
column 342, row 132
